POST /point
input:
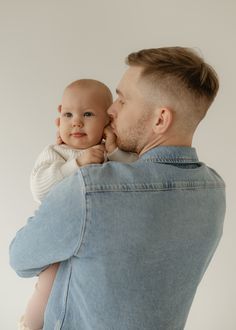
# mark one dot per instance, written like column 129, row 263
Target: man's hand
column 110, row 139
column 92, row 155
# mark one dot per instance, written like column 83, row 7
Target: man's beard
column 133, row 139
column 127, row 144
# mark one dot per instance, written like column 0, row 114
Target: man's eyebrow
column 118, row 92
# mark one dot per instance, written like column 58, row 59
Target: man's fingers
column 107, row 131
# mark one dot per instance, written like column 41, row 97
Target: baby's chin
column 82, row 146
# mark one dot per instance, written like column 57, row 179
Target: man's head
column 162, row 97
column 83, row 113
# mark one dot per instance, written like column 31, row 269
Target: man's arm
column 55, row 232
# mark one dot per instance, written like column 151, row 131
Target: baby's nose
column 77, row 122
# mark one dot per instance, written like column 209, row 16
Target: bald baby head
column 83, row 113
column 96, row 88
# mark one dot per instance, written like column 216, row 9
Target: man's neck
column 170, row 141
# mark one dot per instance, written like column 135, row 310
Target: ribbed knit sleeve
column 50, row 168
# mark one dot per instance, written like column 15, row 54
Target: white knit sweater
column 59, row 161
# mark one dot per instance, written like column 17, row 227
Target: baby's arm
column 49, row 169
column 92, row 155
column 113, row 152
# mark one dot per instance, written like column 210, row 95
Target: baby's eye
column 67, row 114
column 88, row 114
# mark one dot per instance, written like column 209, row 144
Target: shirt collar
column 171, row 154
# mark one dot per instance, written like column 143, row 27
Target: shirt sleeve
column 49, row 169
column 119, row 155
column 54, row 233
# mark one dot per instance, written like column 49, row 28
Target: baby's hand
column 110, row 139
column 92, row 155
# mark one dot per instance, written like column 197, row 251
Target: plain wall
column 47, row 44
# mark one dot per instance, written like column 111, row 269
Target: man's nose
column 111, row 111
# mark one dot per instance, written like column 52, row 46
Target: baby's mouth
column 77, row 135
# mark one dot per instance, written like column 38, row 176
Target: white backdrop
column 47, row 44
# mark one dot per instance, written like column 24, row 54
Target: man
column 134, row 240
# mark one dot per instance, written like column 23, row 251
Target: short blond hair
column 179, row 76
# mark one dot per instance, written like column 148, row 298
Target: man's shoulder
column 109, row 174
column 148, row 175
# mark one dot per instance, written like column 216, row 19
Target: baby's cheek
column 63, row 135
column 98, row 138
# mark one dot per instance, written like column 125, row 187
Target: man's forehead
column 130, row 80
column 133, row 72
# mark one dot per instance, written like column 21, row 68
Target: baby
column 82, row 122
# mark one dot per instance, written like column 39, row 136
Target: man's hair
column 180, row 78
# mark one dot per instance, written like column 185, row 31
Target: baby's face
column 83, row 117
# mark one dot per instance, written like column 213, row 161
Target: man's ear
column 164, row 118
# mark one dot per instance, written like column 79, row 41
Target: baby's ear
column 57, row 122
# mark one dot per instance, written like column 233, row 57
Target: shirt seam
column 170, row 160
column 153, row 187
column 84, row 207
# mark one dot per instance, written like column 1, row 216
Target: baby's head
column 83, row 113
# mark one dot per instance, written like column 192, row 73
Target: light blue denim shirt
column 134, row 241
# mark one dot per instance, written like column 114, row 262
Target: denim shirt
column 134, row 241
